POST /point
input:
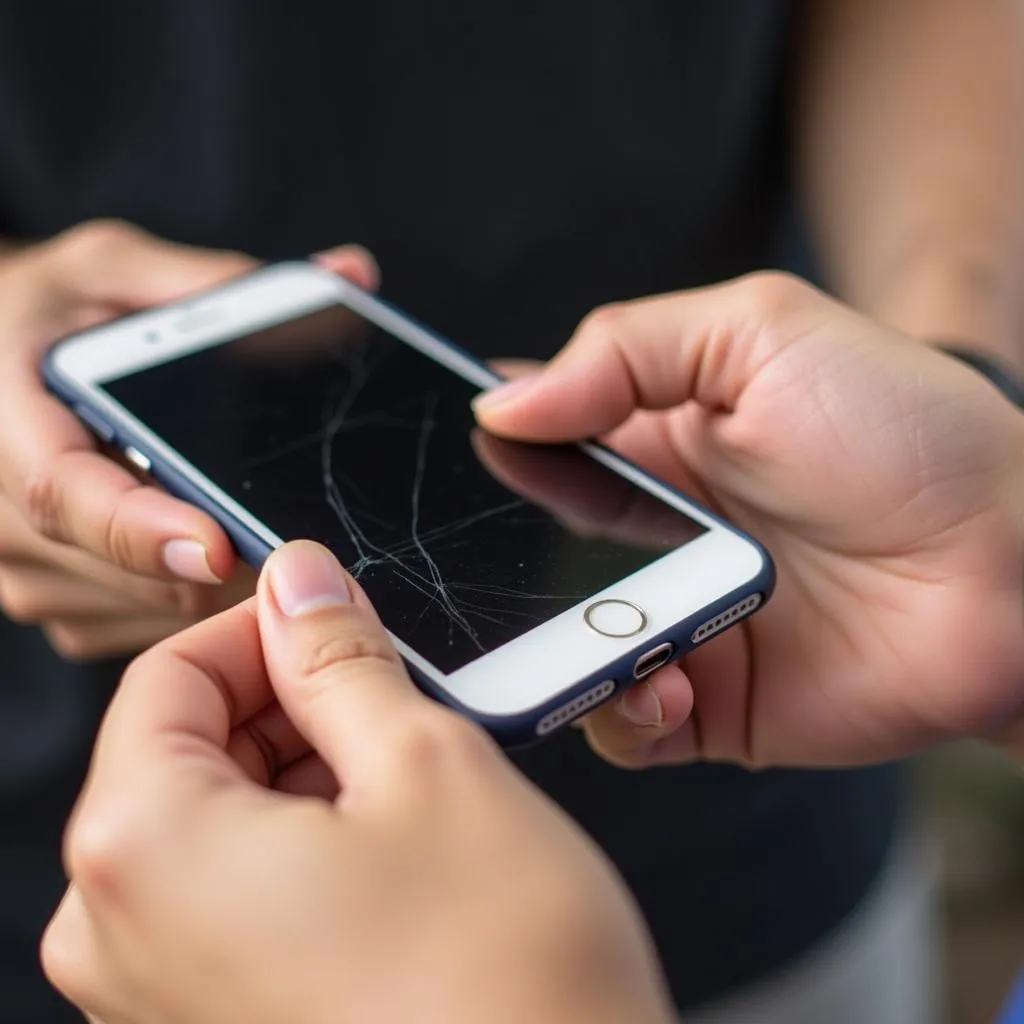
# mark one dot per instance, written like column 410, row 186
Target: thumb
column 704, row 345
column 334, row 668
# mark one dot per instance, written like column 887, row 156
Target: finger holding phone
column 315, row 410
column 884, row 477
column 284, row 741
column 103, row 561
column 278, row 826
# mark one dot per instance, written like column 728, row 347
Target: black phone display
column 328, row 427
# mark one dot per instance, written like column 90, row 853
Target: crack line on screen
column 461, row 603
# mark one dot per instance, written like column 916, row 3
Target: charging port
column 653, row 660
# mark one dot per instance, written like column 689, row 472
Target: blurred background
column 971, row 801
column 572, row 154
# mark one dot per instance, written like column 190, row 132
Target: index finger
column 120, row 266
column 162, row 752
column 71, row 493
column 196, row 686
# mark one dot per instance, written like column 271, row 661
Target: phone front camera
column 152, row 337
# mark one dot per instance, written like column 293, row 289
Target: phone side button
column 138, row 460
column 103, row 430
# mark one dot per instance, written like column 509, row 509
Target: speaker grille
column 576, row 707
column 723, row 620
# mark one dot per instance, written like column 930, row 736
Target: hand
column 218, row 876
column 885, row 479
column 90, row 609
column 103, row 562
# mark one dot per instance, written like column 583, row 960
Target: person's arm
column 910, row 136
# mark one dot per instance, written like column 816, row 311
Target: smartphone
column 523, row 584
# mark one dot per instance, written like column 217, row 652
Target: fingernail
column 502, row 393
column 187, row 560
column 305, row 578
column 641, row 706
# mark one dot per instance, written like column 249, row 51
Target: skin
column 83, row 541
column 909, row 149
column 885, row 479
column 915, row 241
column 283, row 741
column 278, row 827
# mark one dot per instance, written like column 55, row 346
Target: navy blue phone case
column 510, row 731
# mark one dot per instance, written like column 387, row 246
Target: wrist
column 975, row 302
column 998, row 372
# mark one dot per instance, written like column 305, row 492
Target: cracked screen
column 326, row 427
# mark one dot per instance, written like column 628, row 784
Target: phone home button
column 618, row 619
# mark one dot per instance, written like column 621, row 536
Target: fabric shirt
column 511, row 166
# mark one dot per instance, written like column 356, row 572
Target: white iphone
column 523, row 584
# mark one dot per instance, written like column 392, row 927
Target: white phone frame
column 523, row 674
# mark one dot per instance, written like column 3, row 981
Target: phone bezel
column 526, row 677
